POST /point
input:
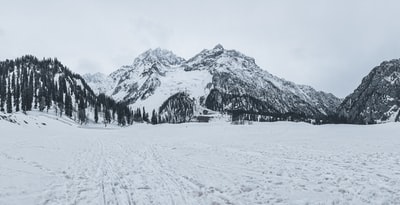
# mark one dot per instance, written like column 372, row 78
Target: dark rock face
column 237, row 79
column 377, row 99
column 220, row 101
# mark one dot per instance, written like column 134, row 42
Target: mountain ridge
column 377, row 98
column 230, row 71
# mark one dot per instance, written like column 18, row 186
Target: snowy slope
column 217, row 163
column 234, row 72
column 157, row 74
column 99, row 82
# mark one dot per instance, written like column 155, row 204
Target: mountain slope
column 158, row 74
column 377, row 98
column 28, row 83
column 238, row 74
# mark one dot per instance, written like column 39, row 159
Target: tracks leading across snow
column 190, row 165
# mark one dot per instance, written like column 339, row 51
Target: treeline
column 248, row 108
column 28, row 83
column 178, row 108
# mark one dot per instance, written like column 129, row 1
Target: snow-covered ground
column 216, row 163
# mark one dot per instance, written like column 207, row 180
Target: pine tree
column 30, row 93
column 128, row 113
column 13, row 81
column 68, row 105
column 107, row 116
column 16, row 96
column 96, row 113
column 154, row 117
column 121, row 115
column 60, row 101
column 159, row 119
column 137, row 116
column 3, row 92
column 145, row 115
column 9, row 103
column 81, row 110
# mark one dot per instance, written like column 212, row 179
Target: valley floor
column 216, row 163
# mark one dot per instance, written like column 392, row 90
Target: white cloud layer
column 330, row 45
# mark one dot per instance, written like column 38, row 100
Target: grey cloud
column 149, row 33
column 329, row 45
column 87, row 66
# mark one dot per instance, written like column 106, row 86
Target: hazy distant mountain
column 377, row 98
column 216, row 79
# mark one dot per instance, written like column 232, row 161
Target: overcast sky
column 329, row 45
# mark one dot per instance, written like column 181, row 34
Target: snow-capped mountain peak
column 158, row 56
column 220, row 59
column 99, row 82
column 215, row 79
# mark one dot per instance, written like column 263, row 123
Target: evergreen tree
column 137, row 116
column 81, row 110
column 154, row 117
column 9, row 103
column 16, row 96
column 60, row 101
column 96, row 113
column 159, row 119
column 3, row 92
column 107, row 116
column 68, row 105
column 24, row 89
column 13, row 81
column 128, row 116
column 42, row 100
column 30, row 92
column 145, row 115
column 121, row 116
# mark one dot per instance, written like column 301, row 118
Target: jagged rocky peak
column 219, row 57
column 158, row 56
column 218, row 47
column 377, row 98
column 152, row 61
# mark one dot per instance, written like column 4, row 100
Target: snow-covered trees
column 28, row 83
column 177, row 109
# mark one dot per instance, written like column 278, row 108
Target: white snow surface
column 194, row 82
column 99, row 82
column 215, row 163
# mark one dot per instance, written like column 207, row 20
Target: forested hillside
column 46, row 85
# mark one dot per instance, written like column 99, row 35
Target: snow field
column 216, row 163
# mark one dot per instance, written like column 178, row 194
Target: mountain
column 28, row 83
column 377, row 98
column 98, row 82
column 216, row 79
